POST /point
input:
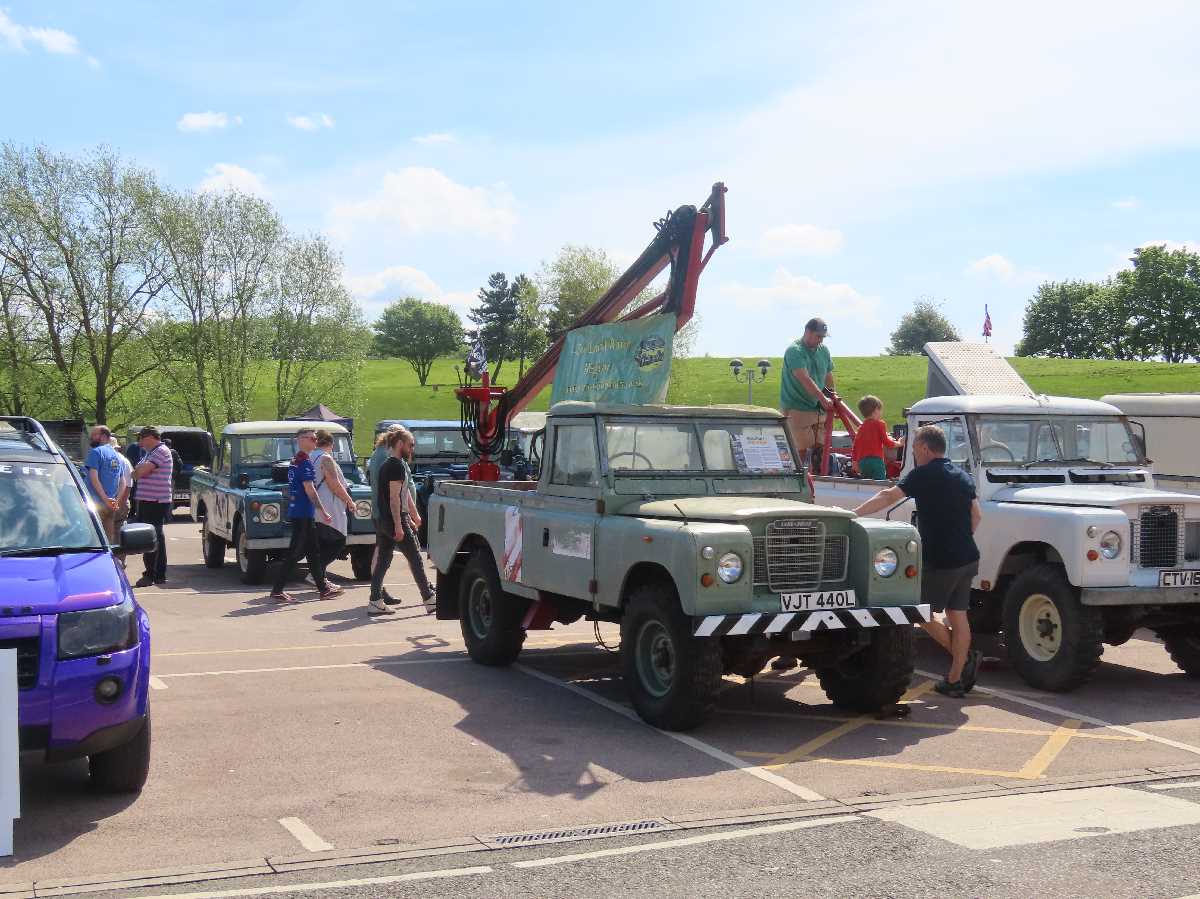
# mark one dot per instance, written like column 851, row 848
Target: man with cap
column 807, row 374
column 153, row 477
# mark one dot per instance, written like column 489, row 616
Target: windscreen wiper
column 1095, row 462
column 1034, row 462
column 49, row 550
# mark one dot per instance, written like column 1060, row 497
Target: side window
column 226, row 463
column 958, row 449
column 575, row 456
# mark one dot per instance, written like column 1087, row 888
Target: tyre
column 360, row 561
column 123, row 769
column 1183, row 644
column 875, row 676
column 251, row 562
column 490, row 618
column 672, row 677
column 1054, row 641
column 212, row 547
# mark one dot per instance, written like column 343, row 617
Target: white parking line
column 156, row 683
column 721, row 836
column 329, row 884
column 1066, row 713
column 305, row 835
column 732, row 761
column 1179, row 785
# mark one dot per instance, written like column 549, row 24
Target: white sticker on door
column 510, row 564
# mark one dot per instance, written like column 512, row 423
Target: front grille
column 1158, row 536
column 796, row 555
column 28, row 655
column 1191, row 542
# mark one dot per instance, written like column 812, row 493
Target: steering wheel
column 1000, row 447
column 636, row 455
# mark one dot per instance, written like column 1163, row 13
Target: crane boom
column 678, row 243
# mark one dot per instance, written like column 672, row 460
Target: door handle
column 545, row 536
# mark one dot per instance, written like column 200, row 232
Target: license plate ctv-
column 1179, row 578
column 810, row 602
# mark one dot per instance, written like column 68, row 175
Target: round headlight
column 362, row 508
column 1110, row 545
column 708, row 552
column 269, row 513
column 729, row 567
column 885, row 562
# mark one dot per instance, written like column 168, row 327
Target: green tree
column 529, row 331
column 571, row 283
column 924, row 324
column 496, row 320
column 319, row 342
column 1161, row 297
column 1074, row 320
column 418, row 332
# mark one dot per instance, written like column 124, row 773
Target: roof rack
column 971, row 369
column 34, row 429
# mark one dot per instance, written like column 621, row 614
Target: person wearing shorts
column 948, row 513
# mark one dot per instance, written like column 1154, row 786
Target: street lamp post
column 736, row 367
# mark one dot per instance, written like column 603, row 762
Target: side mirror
column 138, row 539
column 243, row 481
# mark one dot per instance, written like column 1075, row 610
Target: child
column 867, row 457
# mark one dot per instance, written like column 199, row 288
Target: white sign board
column 10, row 778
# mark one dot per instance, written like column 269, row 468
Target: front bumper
column 98, row 741
column 800, row 624
column 285, row 542
column 1138, row 596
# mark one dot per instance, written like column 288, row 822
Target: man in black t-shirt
column 396, row 523
column 947, row 515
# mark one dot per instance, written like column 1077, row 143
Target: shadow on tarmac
column 58, row 805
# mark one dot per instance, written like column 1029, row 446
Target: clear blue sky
column 874, row 153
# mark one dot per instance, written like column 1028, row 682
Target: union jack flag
column 987, row 322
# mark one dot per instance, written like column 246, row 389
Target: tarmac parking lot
column 287, row 731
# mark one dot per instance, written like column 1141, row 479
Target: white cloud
column 439, row 137
column 801, row 240
column 994, row 265
column 1126, row 204
column 51, row 40
column 310, row 122
column 799, row 295
column 376, row 289
column 417, row 200
column 226, row 176
column 206, row 121
column 1191, row 246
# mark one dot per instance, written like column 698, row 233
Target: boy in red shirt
column 867, row 457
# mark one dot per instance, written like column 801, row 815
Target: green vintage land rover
column 694, row 528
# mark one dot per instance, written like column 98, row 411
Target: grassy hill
column 392, row 391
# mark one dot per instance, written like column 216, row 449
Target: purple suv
column 82, row 641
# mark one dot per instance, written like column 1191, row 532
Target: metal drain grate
column 575, row 833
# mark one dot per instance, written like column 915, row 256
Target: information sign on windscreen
column 765, row 454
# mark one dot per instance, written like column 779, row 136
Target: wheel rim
column 479, row 609
column 1041, row 627
column 243, row 562
column 655, row 656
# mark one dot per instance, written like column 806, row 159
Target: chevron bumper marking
column 753, row 623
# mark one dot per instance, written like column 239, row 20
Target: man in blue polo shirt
column 103, row 467
column 303, row 503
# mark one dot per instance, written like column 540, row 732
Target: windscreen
column 439, row 443
column 1056, row 440
column 748, row 448
column 40, row 506
column 267, row 450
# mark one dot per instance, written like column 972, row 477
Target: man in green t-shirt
column 807, row 372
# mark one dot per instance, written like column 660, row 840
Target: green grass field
column 391, row 389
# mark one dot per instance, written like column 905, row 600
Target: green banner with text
column 626, row 362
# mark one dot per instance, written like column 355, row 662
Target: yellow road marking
column 925, row 725
column 1055, row 744
column 806, row 749
column 939, row 769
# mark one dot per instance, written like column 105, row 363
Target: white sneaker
column 376, row 607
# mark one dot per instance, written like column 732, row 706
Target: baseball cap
column 818, row 325
column 148, row 431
